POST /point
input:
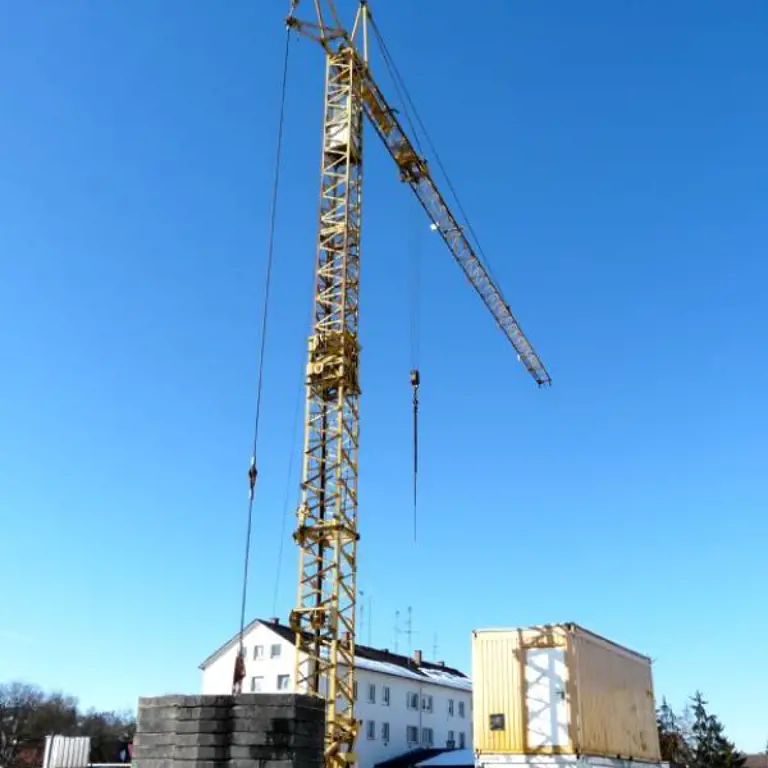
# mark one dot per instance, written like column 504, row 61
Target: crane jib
column 415, row 172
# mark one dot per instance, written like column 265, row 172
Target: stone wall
column 252, row 730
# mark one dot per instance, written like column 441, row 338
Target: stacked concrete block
column 245, row 731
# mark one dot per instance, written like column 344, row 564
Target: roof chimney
column 440, row 663
column 417, row 658
column 274, row 620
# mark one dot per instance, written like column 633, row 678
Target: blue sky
column 613, row 161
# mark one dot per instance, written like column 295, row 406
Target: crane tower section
column 324, row 617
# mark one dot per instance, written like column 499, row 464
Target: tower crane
column 327, row 532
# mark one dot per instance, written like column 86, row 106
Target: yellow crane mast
column 327, row 534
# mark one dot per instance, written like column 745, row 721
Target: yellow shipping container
column 561, row 690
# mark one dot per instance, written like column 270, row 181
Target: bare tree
column 18, row 704
column 28, row 715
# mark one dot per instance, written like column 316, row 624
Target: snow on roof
column 387, row 668
column 374, row 659
column 443, row 677
column 449, row 758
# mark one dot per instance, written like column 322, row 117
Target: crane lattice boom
column 414, row 170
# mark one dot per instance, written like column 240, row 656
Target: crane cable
column 239, row 670
column 405, row 96
column 415, row 373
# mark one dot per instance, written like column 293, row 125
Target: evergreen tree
column 710, row 748
column 703, row 736
column 731, row 757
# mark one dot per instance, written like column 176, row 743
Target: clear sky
column 613, row 159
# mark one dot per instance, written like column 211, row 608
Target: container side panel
column 615, row 699
column 497, row 692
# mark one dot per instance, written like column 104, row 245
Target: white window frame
column 370, row 730
column 275, row 651
column 451, row 707
column 385, row 731
column 257, row 687
column 427, row 742
column 371, row 693
column 427, row 702
column 452, row 738
column 287, row 679
column 462, row 709
column 413, row 700
column 258, row 652
column 409, row 731
column 462, row 740
column 386, row 695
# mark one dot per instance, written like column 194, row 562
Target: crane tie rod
column 253, row 472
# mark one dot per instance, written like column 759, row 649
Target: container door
column 546, row 703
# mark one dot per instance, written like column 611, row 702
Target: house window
column 370, row 729
column 462, row 741
column 412, row 734
column 451, row 740
column 427, row 737
column 257, row 684
column 413, row 701
column 274, row 651
column 372, row 693
column 283, row 681
column 354, row 690
column 385, row 731
column 385, row 695
column 427, row 703
column 258, row 652
column 450, row 707
column 461, row 709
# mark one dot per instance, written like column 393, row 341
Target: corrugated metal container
column 561, row 690
column 67, row 751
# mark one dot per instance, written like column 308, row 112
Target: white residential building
column 404, row 703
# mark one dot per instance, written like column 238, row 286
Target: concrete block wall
column 250, row 730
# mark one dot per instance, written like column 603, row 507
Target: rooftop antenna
column 434, row 648
column 397, row 630
column 370, row 620
column 409, row 630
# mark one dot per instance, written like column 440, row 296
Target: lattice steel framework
column 324, row 618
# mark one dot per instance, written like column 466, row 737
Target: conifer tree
column 710, row 748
